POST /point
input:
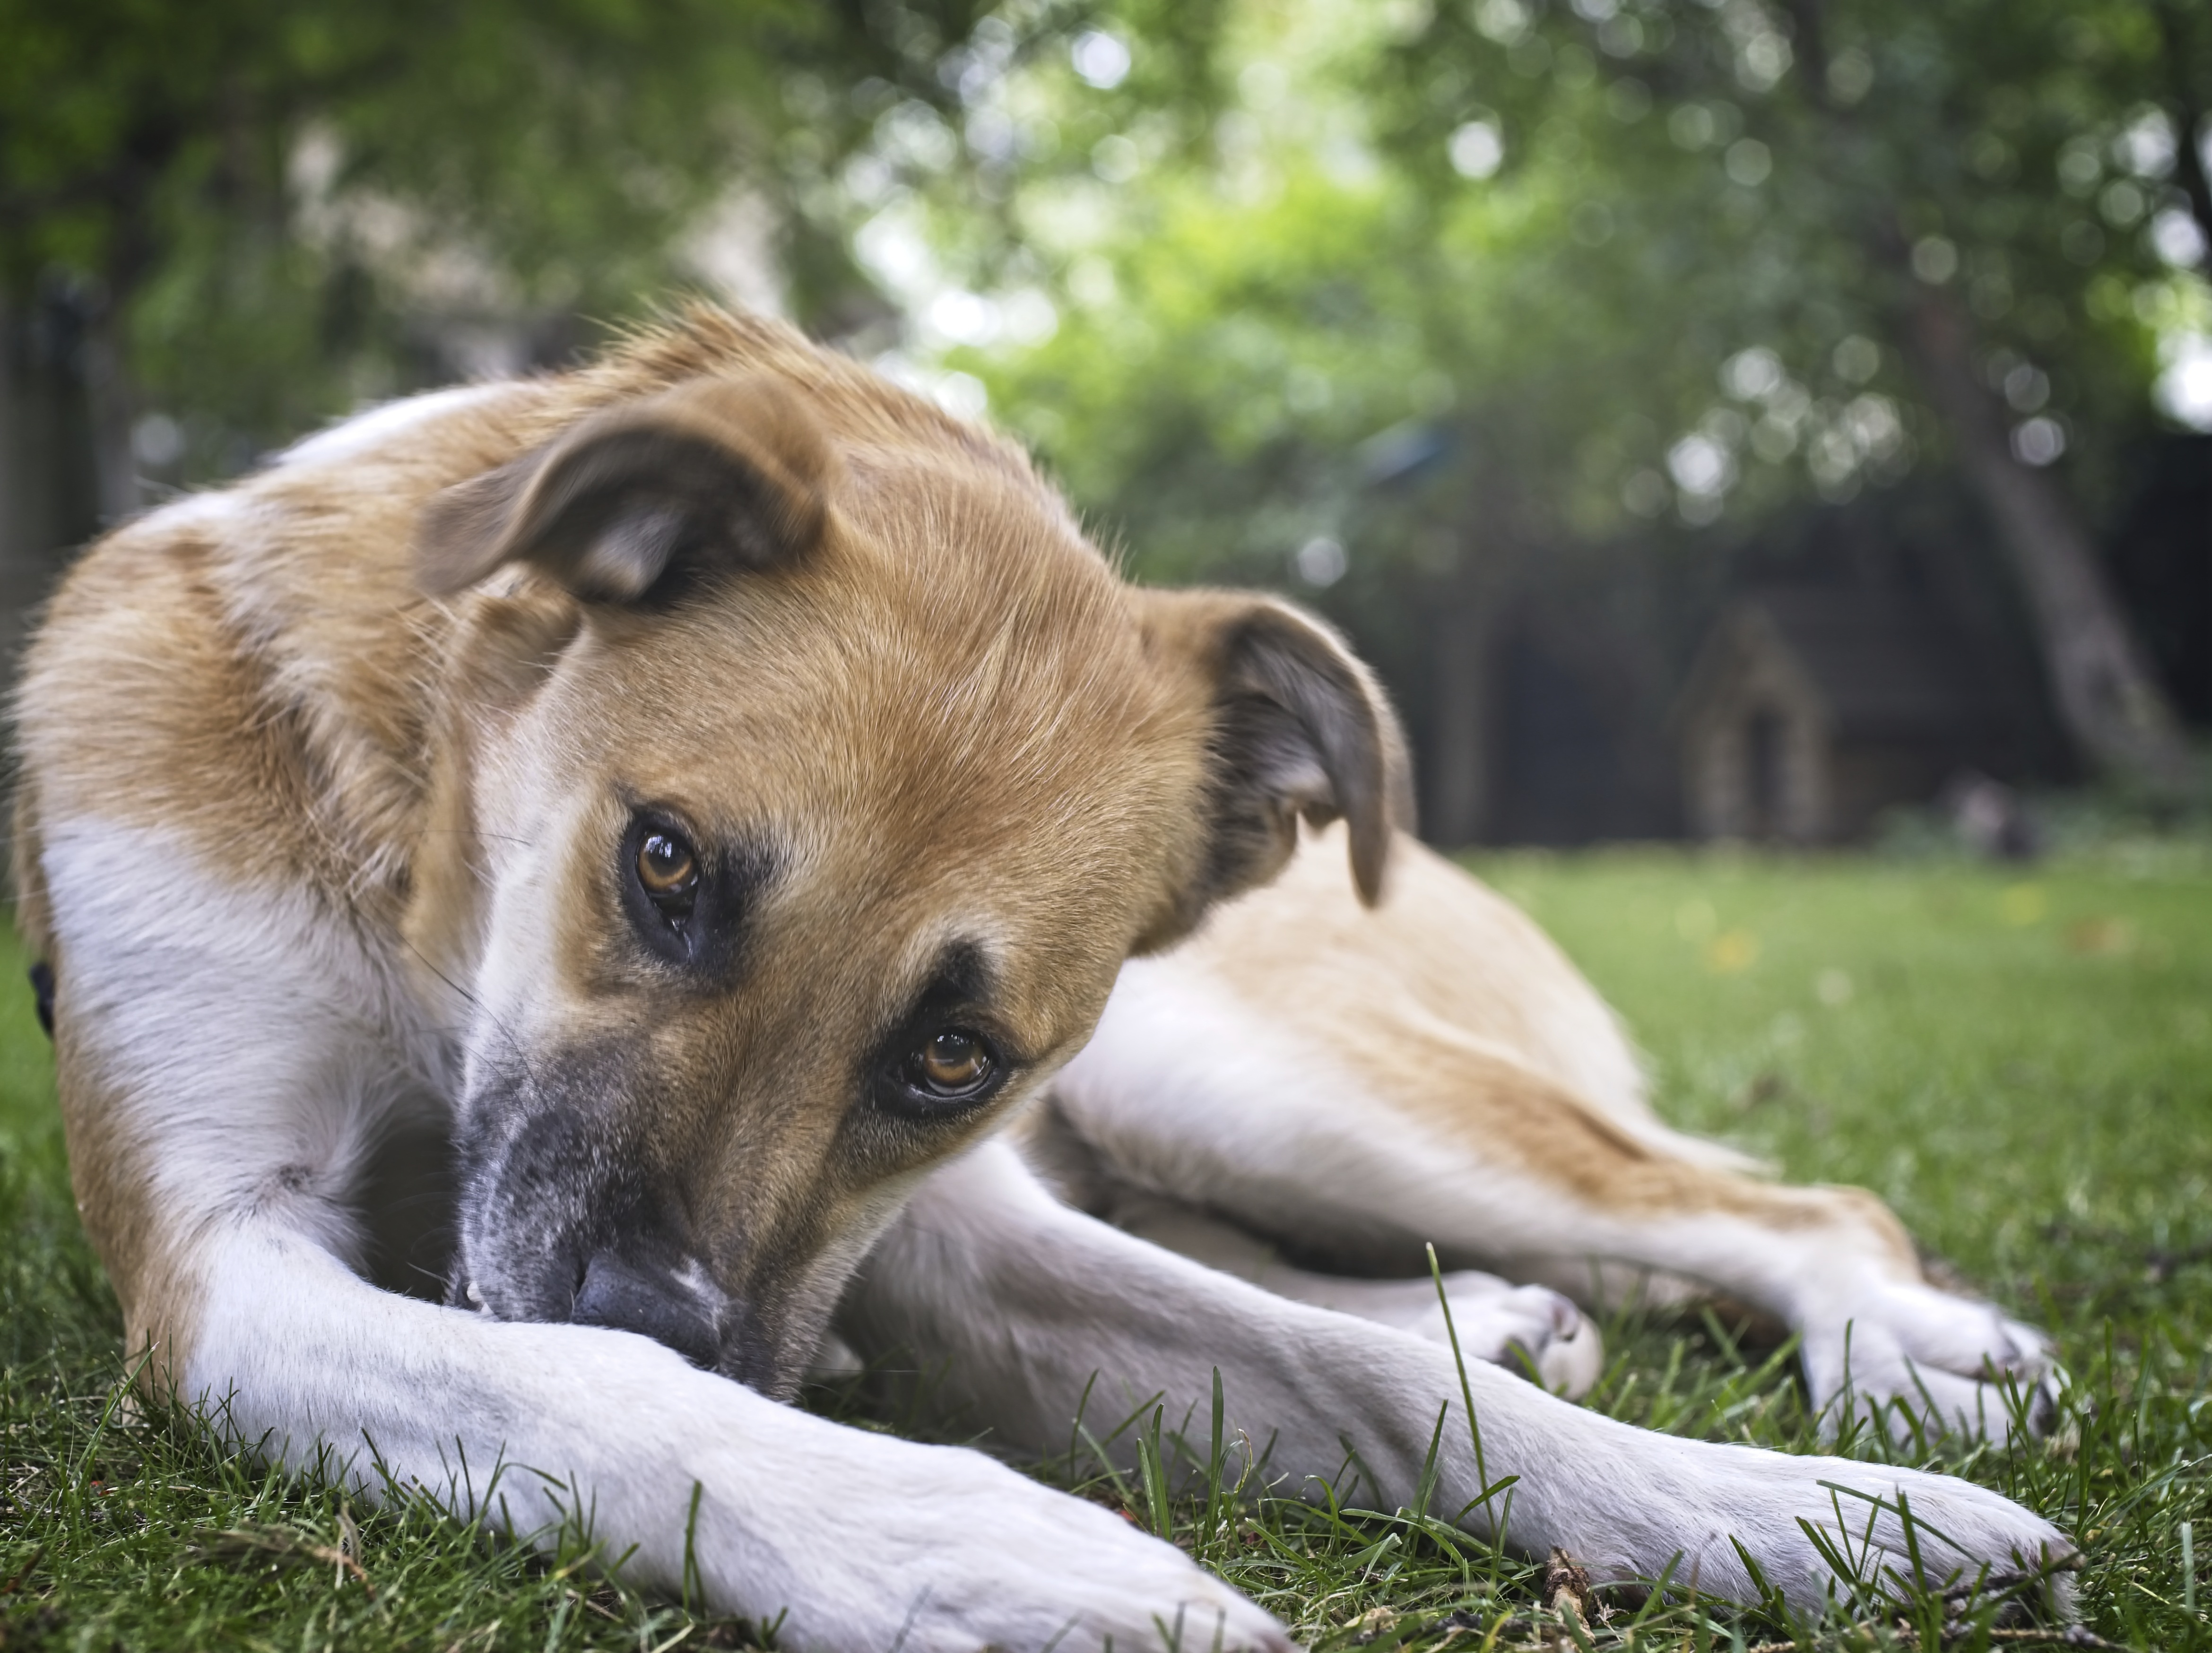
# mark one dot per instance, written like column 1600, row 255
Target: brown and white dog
column 652, row 826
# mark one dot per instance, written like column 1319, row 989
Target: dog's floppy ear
column 727, row 473
column 1298, row 727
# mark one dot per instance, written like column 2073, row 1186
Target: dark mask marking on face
column 916, row 1072
column 571, row 1212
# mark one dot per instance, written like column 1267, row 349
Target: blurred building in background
column 1810, row 710
column 1861, row 657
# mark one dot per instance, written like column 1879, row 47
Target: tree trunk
column 2184, row 107
column 1459, row 761
column 111, row 396
column 1460, row 807
column 2111, row 703
column 47, row 497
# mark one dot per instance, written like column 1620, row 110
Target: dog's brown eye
column 952, row 1063
column 665, row 866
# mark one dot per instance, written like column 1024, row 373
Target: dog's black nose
column 628, row 1296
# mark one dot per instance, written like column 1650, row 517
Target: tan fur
column 1463, row 1016
column 951, row 680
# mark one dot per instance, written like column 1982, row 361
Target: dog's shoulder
column 248, row 667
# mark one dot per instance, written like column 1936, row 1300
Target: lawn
column 2020, row 1063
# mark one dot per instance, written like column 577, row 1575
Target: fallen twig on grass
column 23, row 1572
column 1567, row 1589
column 280, row 1546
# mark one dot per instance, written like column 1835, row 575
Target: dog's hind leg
column 1353, row 1084
column 1532, row 1328
column 1051, row 1329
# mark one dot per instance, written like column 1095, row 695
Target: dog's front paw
column 944, row 1548
column 1527, row 1329
column 1881, row 1531
column 1923, row 1361
column 1068, row 1574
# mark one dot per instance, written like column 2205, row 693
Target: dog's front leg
column 858, row 1541
column 1019, row 1301
column 222, row 1066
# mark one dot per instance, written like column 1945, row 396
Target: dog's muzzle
column 563, row 1219
column 674, row 1302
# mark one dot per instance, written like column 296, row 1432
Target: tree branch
column 2186, row 110
column 1809, row 20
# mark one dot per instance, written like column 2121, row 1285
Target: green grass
column 2022, row 1067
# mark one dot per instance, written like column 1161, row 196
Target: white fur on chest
column 255, row 1042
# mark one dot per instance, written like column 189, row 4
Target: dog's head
column 812, row 832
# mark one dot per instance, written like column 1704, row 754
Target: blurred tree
column 1465, row 283
column 252, row 207
column 1907, row 152
column 1614, row 257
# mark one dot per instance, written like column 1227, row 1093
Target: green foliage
column 1551, row 234
column 2017, row 1061
column 272, row 201
column 1823, row 165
